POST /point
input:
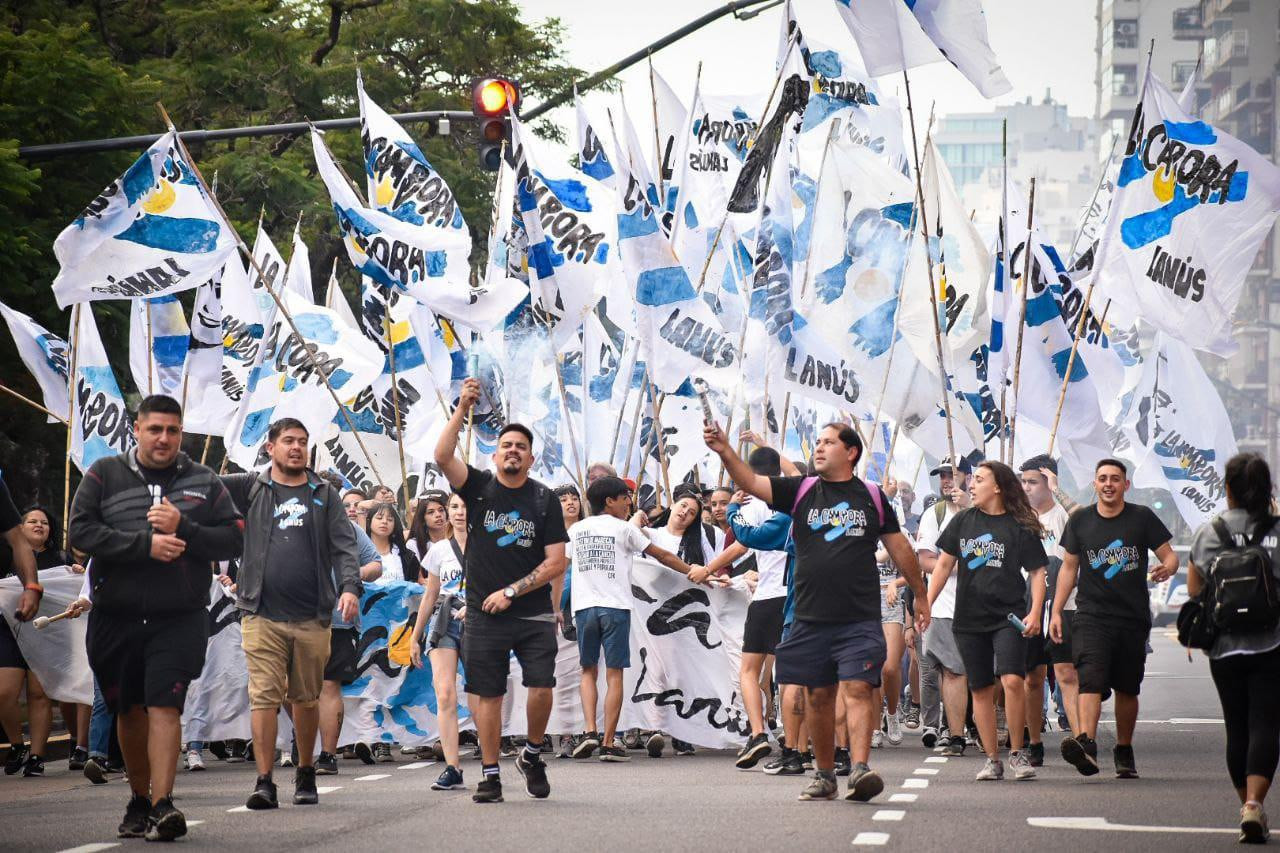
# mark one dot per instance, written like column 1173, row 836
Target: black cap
column 945, row 465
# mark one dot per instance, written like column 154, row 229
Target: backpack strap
column 806, row 486
column 1261, row 533
column 877, row 497
column 1225, row 537
column 939, row 511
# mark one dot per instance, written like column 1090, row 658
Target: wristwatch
column 510, row 593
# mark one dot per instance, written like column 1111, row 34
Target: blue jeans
column 99, row 725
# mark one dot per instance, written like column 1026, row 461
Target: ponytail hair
column 1249, row 486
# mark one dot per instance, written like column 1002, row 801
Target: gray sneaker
column 823, row 787
column 1020, row 764
column 992, row 771
column 864, row 784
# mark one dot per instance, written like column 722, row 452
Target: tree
column 95, row 69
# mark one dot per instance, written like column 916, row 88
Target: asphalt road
column 700, row 803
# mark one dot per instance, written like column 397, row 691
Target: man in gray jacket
column 297, row 538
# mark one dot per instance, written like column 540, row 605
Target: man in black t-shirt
column 515, row 564
column 836, row 641
column 1107, row 545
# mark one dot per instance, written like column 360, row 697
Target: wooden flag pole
column 1071, row 361
column 32, row 403
column 71, row 415
column 1022, row 320
column 1004, row 266
column 395, row 398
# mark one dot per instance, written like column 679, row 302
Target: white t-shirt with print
column 927, row 540
column 602, row 548
column 443, row 563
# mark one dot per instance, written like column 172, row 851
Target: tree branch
column 338, row 8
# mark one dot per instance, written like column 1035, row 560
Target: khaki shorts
column 286, row 660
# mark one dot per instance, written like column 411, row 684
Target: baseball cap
column 945, row 465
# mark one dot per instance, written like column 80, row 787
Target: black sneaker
column 534, row 772
column 955, row 746
column 488, row 791
column 631, row 739
column 34, row 766
column 79, row 758
column 788, row 763
column 1126, row 766
column 655, row 743
column 326, row 765
column 864, row 784
column 681, row 747
column 806, row 760
column 930, row 737
column 757, row 748
column 468, row 738
column 95, row 770
column 844, row 764
column 264, row 795
column 248, row 750
column 507, row 748
column 165, row 823
column 823, row 787
column 136, row 813
column 236, row 751
column 448, row 780
column 16, row 757
column 364, row 753
column 1035, row 754
column 347, row 753
column 382, row 753
column 614, row 752
column 304, row 787
column 586, row 744
column 547, row 747
column 1081, row 753
column 218, row 749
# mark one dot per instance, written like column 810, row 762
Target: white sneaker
column 1021, row 766
column 894, row 735
column 195, row 761
column 877, row 739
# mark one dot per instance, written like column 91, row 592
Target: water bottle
column 1017, row 623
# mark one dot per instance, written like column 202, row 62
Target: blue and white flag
column 100, row 421
column 897, row 34
column 206, row 408
column 152, row 232
column 1191, row 208
column 158, row 341
column 592, row 159
column 45, row 355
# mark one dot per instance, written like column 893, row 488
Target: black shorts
column 820, row 654
column 343, row 657
column 763, row 631
column 486, row 655
column 10, row 654
column 1109, row 655
column 149, row 663
column 1061, row 652
column 990, row 654
column 1038, row 651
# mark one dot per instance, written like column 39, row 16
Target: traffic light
column 492, row 101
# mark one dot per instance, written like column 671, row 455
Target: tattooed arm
column 549, row 569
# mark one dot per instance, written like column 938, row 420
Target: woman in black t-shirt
column 990, row 545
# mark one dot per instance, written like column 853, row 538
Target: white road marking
column 903, row 798
column 91, row 848
column 935, row 759
column 194, row 822
column 871, row 839
column 417, row 765
column 925, row 771
column 373, row 777
column 889, row 814
column 916, row 783
column 239, row 809
column 327, row 789
column 1104, row 825
column 1183, row 721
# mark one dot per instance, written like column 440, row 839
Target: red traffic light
column 494, row 96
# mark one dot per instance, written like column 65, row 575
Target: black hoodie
column 109, row 522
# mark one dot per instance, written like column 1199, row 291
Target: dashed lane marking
column 91, row 848
column 1104, row 825
column 925, row 771
column 903, row 798
column 417, row 765
column 871, row 839
column 935, row 759
column 889, row 814
column 916, row 783
column 327, row 789
column 373, row 777
column 239, row 809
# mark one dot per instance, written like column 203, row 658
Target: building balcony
column 1214, row 9
column 1188, row 24
column 1225, row 52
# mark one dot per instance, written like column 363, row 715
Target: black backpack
column 1242, row 577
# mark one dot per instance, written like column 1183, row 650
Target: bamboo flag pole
column 657, row 143
column 635, row 422
column 71, row 416
column 1022, row 321
column 1004, row 264
column 284, row 312
column 150, row 349
column 933, row 288
column 32, row 403
column 204, row 454
column 676, row 217
column 395, row 397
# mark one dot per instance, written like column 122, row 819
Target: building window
column 1125, row 33
column 1122, row 80
column 1182, row 73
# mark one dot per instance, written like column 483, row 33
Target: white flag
column 1191, row 207
column 44, row 354
column 158, row 339
column 152, row 232
column 100, row 421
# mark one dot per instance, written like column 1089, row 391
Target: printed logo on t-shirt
column 841, row 520
column 516, row 530
column 291, row 513
column 1115, row 558
column 982, row 551
column 596, row 554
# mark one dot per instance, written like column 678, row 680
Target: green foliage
column 75, row 71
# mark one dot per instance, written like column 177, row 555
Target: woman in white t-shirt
column 689, row 539
column 429, row 524
column 446, row 581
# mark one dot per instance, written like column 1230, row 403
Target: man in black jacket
column 153, row 521
column 298, row 541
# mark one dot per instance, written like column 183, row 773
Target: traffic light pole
column 126, row 143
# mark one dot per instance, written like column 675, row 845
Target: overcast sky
column 1042, row 44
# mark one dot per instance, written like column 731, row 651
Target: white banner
column 55, row 654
